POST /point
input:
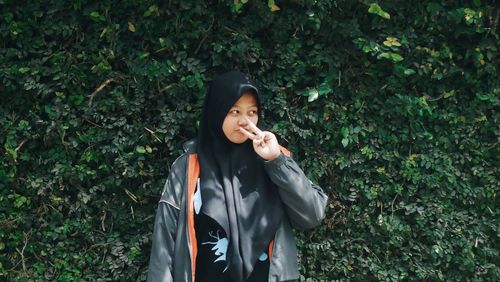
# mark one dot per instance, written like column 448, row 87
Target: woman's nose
column 242, row 121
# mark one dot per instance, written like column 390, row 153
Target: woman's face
column 245, row 108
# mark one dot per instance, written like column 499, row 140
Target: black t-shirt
column 211, row 261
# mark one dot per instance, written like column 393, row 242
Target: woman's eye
column 253, row 112
column 234, row 112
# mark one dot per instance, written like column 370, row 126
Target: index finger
column 248, row 134
column 254, row 128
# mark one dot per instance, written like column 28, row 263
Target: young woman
column 230, row 201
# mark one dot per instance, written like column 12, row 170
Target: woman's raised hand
column 265, row 143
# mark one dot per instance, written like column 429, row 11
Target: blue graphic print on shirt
column 220, row 246
column 213, row 244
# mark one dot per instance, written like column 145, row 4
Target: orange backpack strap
column 285, row 151
column 193, row 174
column 270, row 250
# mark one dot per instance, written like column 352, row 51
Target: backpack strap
column 285, row 151
column 193, row 174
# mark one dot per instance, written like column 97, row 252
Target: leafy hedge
column 391, row 106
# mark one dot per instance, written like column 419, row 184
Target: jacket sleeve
column 165, row 229
column 304, row 201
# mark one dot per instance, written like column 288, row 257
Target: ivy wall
column 392, row 107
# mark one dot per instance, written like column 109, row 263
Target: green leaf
column 344, row 131
column 97, row 17
column 400, row 69
column 448, row 94
column 324, row 88
column 163, row 41
column 24, row 70
column 144, row 55
column 392, row 42
column 391, row 56
column 20, row 200
column 345, row 142
column 131, row 27
column 140, row 149
column 104, row 31
column 272, row 6
column 312, row 94
column 486, row 97
column 409, row 72
column 153, row 9
column 377, row 10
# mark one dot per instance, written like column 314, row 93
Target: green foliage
column 392, row 107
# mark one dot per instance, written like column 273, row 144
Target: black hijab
column 235, row 189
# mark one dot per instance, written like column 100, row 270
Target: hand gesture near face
column 265, row 143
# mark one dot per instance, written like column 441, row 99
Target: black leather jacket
column 303, row 201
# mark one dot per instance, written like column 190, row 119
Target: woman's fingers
column 264, row 142
column 248, row 134
column 268, row 136
column 256, row 139
column 254, row 128
column 261, row 139
column 257, row 142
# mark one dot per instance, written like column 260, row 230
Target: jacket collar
column 189, row 146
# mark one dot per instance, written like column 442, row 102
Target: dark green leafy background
column 391, row 106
